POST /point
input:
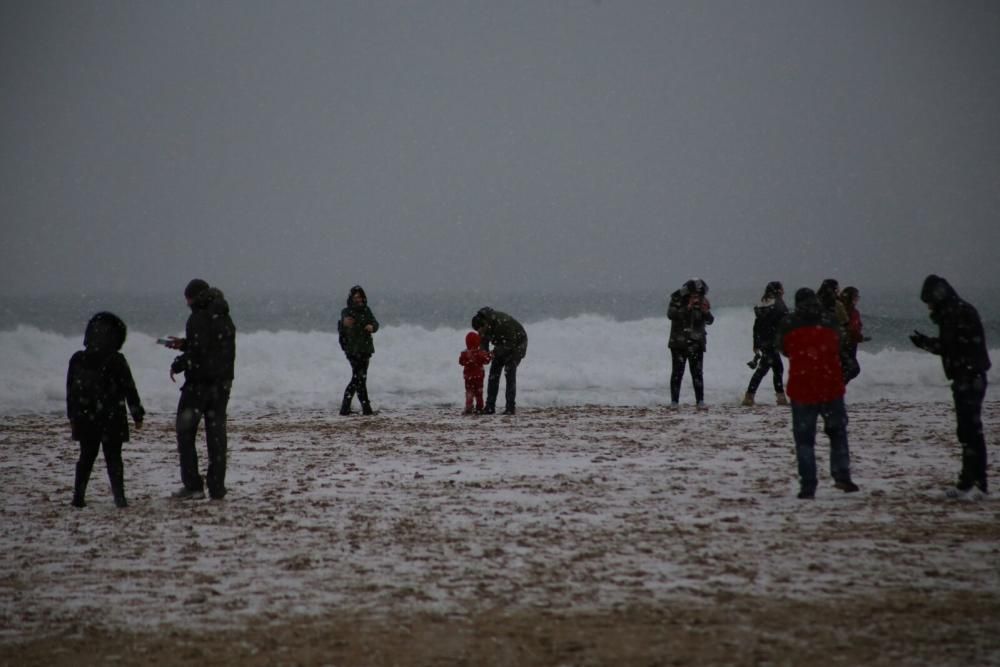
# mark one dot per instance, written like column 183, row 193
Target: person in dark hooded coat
column 961, row 344
column 689, row 313
column 768, row 315
column 208, row 361
column 99, row 386
column 355, row 328
column 510, row 346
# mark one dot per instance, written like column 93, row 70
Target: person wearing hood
column 810, row 338
column 99, row 386
column 355, row 328
column 472, row 359
column 510, row 345
column 689, row 313
column 767, row 316
column 207, row 360
column 961, row 344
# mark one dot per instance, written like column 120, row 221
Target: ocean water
column 583, row 349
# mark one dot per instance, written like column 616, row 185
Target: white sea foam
column 579, row 360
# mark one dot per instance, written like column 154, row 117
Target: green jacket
column 355, row 341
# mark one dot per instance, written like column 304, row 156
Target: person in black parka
column 355, row 328
column 961, row 344
column 208, row 361
column 510, row 345
column 689, row 312
column 768, row 315
column 99, row 386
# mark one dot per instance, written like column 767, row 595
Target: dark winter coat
column 810, row 338
column 688, row 320
column 99, row 384
column 209, row 348
column 355, row 341
column 506, row 334
column 961, row 341
column 768, row 317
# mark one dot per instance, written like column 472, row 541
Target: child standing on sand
column 472, row 360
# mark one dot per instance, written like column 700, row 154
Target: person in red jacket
column 472, row 361
column 810, row 339
column 850, row 296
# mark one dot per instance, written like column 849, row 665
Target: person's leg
column 477, row 392
column 189, row 412
column 696, row 359
column 804, row 433
column 360, row 368
column 493, row 384
column 758, row 375
column 778, row 371
column 470, row 393
column 677, row 361
column 969, row 395
column 510, row 383
column 116, row 469
column 351, row 388
column 89, row 446
column 835, row 426
column 215, row 434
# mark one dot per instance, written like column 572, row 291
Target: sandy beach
column 572, row 536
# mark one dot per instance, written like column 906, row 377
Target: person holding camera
column 354, row 329
column 768, row 315
column 689, row 313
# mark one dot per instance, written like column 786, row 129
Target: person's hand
column 369, row 328
column 348, row 321
column 172, row 377
column 174, row 343
column 704, row 305
column 920, row 340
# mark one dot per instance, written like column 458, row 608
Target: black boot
column 345, row 407
column 80, row 485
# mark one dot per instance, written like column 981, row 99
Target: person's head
column 773, row 290
column 850, row 296
column 696, row 286
column 472, row 340
column 105, row 332
column 194, row 289
column 936, row 292
column 806, row 302
column 357, row 296
column 481, row 319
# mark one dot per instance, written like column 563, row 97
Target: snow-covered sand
column 549, row 519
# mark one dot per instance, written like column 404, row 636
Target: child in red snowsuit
column 472, row 360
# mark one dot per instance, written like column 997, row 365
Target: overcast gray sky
column 485, row 145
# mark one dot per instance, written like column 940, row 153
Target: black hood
column 482, row 317
column 807, row 303
column 105, row 333
column 357, row 289
column 936, row 291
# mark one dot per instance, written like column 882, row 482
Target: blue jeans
column 804, row 417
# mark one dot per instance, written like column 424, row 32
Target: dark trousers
column 358, row 384
column 474, row 392
column 770, row 360
column 969, row 394
column 693, row 357
column 90, row 445
column 852, row 368
column 209, row 401
column 804, row 417
column 506, row 362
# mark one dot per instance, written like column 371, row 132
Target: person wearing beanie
column 961, row 344
column 355, row 328
column 810, row 338
column 472, row 359
column 767, row 316
column 207, row 360
column 510, row 346
column 689, row 313
column 99, row 386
